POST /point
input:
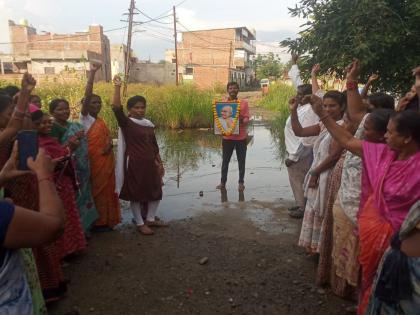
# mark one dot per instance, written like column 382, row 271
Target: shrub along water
column 168, row 106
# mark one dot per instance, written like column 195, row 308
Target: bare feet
column 156, row 223
column 145, row 230
column 221, row 186
column 241, row 187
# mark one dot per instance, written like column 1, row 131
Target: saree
column 406, row 306
column 38, row 303
column 73, row 239
column 102, row 169
column 316, row 203
column 87, row 210
column 389, row 188
column 15, row 295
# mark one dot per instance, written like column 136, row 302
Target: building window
column 189, row 70
column 49, row 70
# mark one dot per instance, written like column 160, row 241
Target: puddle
column 193, row 160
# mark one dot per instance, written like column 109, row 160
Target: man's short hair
column 231, row 83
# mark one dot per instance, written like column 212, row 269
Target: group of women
column 362, row 216
column 71, row 187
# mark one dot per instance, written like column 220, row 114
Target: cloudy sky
column 269, row 18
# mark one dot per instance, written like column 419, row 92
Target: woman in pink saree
column 390, row 186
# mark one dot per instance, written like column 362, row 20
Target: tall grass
column 168, row 106
column 277, row 100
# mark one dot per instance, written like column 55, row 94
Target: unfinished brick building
column 55, row 54
column 215, row 56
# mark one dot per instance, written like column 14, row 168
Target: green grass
column 277, row 100
column 168, row 106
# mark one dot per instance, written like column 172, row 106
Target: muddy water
column 193, row 161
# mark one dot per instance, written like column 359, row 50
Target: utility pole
column 128, row 58
column 230, row 60
column 176, row 48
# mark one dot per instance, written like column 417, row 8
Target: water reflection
column 193, row 161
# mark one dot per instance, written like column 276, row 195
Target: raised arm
column 314, row 78
column 116, row 103
column 368, row 85
column 356, row 109
column 17, row 120
column 297, row 126
column 89, row 88
column 340, row 134
column 294, row 72
column 30, row 228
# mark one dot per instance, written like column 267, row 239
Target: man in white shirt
column 299, row 150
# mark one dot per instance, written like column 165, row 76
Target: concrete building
column 118, row 59
column 152, row 73
column 54, row 54
column 215, row 56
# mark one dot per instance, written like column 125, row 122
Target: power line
column 167, row 11
column 157, row 20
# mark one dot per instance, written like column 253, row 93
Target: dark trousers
column 228, row 147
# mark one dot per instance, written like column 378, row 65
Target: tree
column 267, row 66
column 383, row 34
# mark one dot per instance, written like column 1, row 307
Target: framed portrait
column 226, row 117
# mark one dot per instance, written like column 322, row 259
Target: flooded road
column 221, row 254
column 193, row 161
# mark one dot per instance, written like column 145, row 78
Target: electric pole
column 176, row 48
column 230, row 61
column 128, row 58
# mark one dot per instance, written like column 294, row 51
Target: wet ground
column 222, row 254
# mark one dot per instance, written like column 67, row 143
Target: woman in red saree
column 101, row 157
column 390, row 186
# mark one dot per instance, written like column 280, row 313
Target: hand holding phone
column 27, row 147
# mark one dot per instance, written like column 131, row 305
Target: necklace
column 231, row 129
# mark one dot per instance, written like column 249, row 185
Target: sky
column 269, row 18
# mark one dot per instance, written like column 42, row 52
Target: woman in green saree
column 71, row 133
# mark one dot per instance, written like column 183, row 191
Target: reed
column 168, row 106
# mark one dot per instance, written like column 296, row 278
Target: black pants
column 228, row 147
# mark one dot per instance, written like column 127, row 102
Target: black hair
column 55, row 102
column 32, row 97
column 407, row 124
column 134, row 100
column 306, row 89
column 37, row 115
column 11, row 90
column 380, row 118
column 5, row 102
column 413, row 104
column 336, row 96
column 231, row 83
column 381, row 100
column 95, row 95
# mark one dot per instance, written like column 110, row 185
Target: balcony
column 250, row 49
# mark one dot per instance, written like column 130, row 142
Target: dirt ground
column 230, row 261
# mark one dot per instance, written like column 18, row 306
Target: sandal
column 156, row 223
column 145, row 230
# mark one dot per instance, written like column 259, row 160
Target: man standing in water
column 235, row 142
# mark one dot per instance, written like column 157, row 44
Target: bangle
column 351, row 85
column 19, row 111
column 313, row 173
column 49, row 178
column 323, row 117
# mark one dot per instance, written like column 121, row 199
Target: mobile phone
column 27, row 147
